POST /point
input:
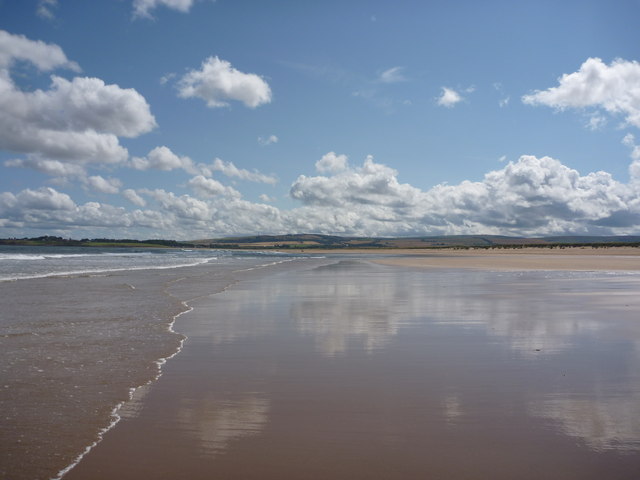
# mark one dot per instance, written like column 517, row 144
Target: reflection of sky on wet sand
column 217, row 420
column 533, row 312
column 365, row 368
column 536, row 314
column 603, row 420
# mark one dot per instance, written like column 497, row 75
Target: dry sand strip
column 576, row 258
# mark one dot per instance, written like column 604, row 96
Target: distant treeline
column 48, row 240
column 312, row 241
column 375, row 245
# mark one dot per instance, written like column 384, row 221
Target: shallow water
column 348, row 369
column 73, row 347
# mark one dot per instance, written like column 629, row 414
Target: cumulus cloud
column 74, row 121
column 331, row 163
column 531, row 196
column 209, row 187
column 613, row 88
column 44, row 56
column 55, row 168
column 100, row 184
column 230, row 170
column 183, row 206
column 143, row 8
column 372, row 184
column 267, row 140
column 133, row 197
column 44, row 198
column 449, row 97
column 217, row 83
column 162, row 158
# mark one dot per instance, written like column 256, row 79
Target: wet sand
column 571, row 259
column 344, row 368
column 73, row 347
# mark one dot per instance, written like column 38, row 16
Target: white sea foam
column 20, row 256
column 70, row 273
column 115, row 415
column 263, row 265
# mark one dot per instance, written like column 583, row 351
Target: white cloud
column 331, row 163
column 230, row 170
column 103, row 185
column 614, row 88
column 80, row 105
column 266, row 198
column 217, row 83
column 267, row 140
column 55, row 168
column 373, row 184
column 184, row 206
column 596, row 122
column 449, row 97
column 142, row 8
column 133, row 197
column 209, row 187
column 44, row 56
column 630, row 141
column 28, row 200
column 75, row 121
column 162, row 158
column 530, row 196
column 45, row 9
column 392, row 75
column 634, row 169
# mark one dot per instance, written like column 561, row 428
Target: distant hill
column 310, row 241
column 446, row 241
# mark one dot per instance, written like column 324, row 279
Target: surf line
column 115, row 416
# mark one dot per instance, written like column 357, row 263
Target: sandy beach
column 570, row 259
column 357, row 367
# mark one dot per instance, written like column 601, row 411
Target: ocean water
column 81, row 329
column 26, row 262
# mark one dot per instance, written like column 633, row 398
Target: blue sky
column 197, row 119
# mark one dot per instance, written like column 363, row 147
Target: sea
column 29, row 262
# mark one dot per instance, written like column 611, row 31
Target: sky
column 193, row 119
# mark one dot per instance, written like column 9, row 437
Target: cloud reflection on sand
column 353, row 305
column 217, row 421
column 603, row 420
column 366, row 308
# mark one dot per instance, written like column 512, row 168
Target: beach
column 355, row 365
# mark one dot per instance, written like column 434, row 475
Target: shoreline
column 116, row 415
column 528, row 258
column 363, row 368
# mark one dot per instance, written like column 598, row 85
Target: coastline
column 528, row 258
